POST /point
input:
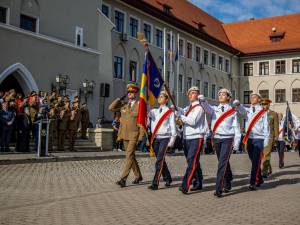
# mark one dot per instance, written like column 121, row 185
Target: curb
column 73, row 158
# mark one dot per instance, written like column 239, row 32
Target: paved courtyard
column 83, row 192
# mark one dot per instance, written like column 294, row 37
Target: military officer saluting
column 194, row 124
column 273, row 123
column 256, row 137
column 129, row 132
column 226, row 132
column 163, row 129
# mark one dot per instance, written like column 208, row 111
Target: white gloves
column 201, row 98
column 236, row 103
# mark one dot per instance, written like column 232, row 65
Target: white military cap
column 224, row 90
column 258, row 95
column 193, row 88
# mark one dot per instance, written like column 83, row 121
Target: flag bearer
column 280, row 141
column 163, row 129
column 226, row 132
column 193, row 120
column 256, row 136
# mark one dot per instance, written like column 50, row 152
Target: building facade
column 41, row 40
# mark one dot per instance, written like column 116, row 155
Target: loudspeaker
column 104, row 90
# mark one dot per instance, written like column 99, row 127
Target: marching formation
column 263, row 128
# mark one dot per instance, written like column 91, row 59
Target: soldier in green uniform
column 274, row 130
column 85, row 120
column 52, row 115
column 63, row 120
column 73, row 125
column 129, row 132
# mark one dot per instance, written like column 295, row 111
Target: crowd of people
column 20, row 116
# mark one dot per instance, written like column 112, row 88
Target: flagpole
column 177, row 70
column 171, row 61
column 164, row 52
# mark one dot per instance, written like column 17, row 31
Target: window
column 133, row 26
column 159, row 37
column 227, row 66
column 181, row 47
column 280, row 67
column 105, row 10
column 118, row 67
column 188, row 83
column 205, row 89
column 296, row 95
column 264, row 68
column 198, row 84
column 79, row 36
column 247, row 97
column 296, row 65
column 119, row 21
column 28, row 23
column 280, row 95
column 213, row 59
column 264, row 94
column 189, row 50
column 198, row 53
column 213, row 91
column 168, row 41
column 233, row 94
column 205, row 57
column 132, row 71
column 248, row 69
column 3, row 15
column 180, row 79
column 147, row 32
column 220, row 63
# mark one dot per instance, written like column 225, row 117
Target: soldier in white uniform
column 194, row 128
column 256, row 137
column 163, row 129
column 226, row 132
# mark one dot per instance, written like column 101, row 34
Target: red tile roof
column 248, row 37
column 191, row 14
column 253, row 36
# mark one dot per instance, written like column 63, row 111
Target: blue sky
column 238, row 10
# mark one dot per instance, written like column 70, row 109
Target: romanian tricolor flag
column 151, row 84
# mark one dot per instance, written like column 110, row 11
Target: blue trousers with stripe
column 224, row 174
column 255, row 149
column 192, row 149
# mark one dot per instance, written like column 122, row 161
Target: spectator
column 7, row 117
column 116, row 126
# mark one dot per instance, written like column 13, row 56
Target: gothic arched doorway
column 17, row 77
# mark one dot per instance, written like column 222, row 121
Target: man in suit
column 129, row 132
column 23, row 127
column 274, row 129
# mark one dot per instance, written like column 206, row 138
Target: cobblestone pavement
column 83, row 192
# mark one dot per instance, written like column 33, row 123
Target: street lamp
column 62, row 82
column 87, row 87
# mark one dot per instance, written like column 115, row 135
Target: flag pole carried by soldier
column 273, row 123
column 129, row 132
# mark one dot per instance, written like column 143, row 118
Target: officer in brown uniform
column 85, row 120
column 274, row 130
column 63, row 120
column 129, row 132
column 73, row 125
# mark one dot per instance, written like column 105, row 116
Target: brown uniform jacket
column 73, row 124
column 128, row 131
column 63, row 122
column 274, row 124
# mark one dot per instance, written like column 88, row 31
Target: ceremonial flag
column 151, row 84
column 288, row 124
